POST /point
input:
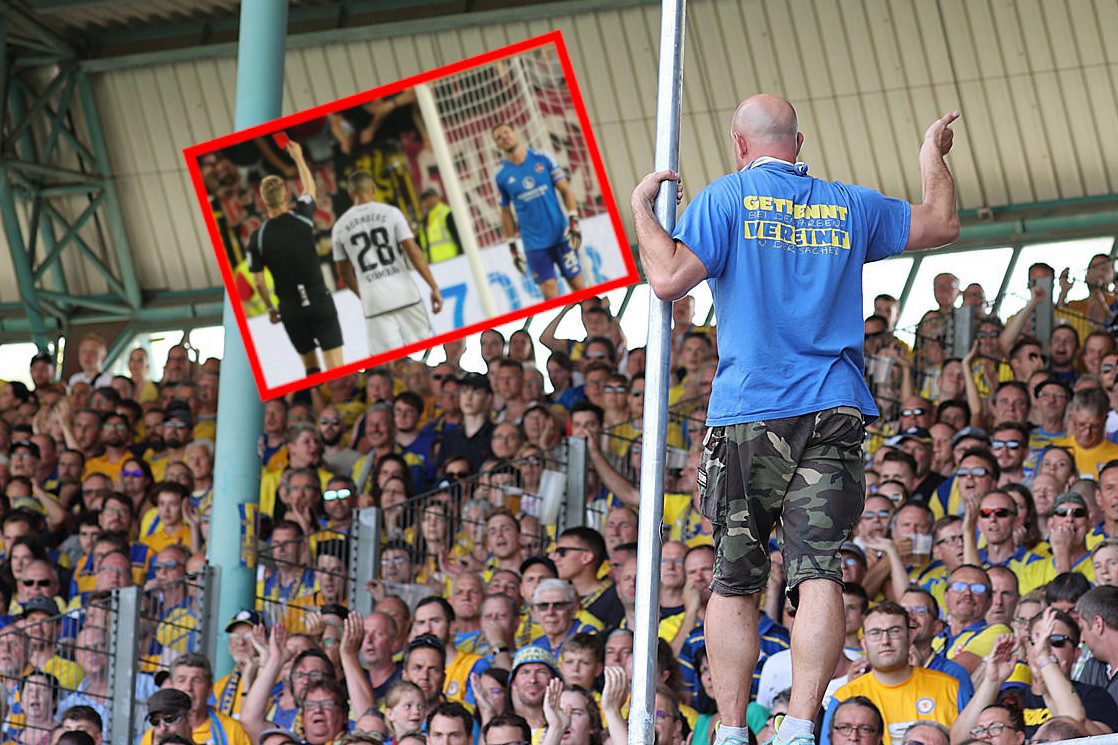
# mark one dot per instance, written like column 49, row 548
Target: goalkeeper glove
column 517, row 259
column 573, row 236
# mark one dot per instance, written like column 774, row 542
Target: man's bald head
column 765, row 125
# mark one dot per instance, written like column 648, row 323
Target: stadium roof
column 1035, row 154
column 101, row 29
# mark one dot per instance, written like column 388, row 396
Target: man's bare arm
column 419, row 261
column 563, row 186
column 345, row 271
column 508, row 224
column 935, row 222
column 671, row 267
column 547, row 336
column 613, row 480
column 1019, row 322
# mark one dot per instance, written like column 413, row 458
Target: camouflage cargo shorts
column 805, row 471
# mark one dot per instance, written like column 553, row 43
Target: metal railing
column 41, row 669
column 447, row 523
column 103, row 653
column 297, row 580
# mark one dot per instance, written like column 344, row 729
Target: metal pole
column 364, row 558
column 456, row 197
column 669, row 97
column 212, row 619
column 574, row 504
column 260, row 52
column 960, row 331
column 124, row 648
column 1004, row 286
column 1043, row 315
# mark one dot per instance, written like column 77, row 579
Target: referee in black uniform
column 285, row 245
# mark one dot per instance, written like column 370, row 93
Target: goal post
column 455, row 196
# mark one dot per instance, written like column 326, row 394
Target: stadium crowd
column 981, row 587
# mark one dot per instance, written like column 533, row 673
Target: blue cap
column 532, row 654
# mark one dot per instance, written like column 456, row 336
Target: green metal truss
column 57, row 197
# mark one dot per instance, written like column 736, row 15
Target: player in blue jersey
column 532, row 183
column 782, row 253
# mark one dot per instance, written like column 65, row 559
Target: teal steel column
column 240, row 417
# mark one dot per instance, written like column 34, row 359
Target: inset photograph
column 389, row 222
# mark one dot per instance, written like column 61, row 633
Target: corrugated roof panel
column 1100, row 82
column 1037, row 83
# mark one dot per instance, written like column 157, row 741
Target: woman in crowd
column 135, row 482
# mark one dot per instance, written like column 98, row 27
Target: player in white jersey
column 370, row 241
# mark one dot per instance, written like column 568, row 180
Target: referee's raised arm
column 295, row 150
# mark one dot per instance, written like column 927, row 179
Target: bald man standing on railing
column 783, row 255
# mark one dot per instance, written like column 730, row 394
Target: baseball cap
column 916, row 434
column 28, row 446
column 264, row 734
column 528, row 655
column 181, row 412
column 168, row 701
column 476, row 380
column 975, row 432
column 40, row 604
column 1070, row 497
column 425, row 641
column 850, row 547
column 251, row 617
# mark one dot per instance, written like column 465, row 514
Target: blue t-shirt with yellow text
column 784, row 254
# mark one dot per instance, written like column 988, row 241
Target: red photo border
column 194, row 152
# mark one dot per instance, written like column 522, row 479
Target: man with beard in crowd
column 336, row 455
column 434, row 616
column 1010, row 446
column 116, row 436
column 532, row 669
column 178, row 431
column 87, row 432
column 1052, row 396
